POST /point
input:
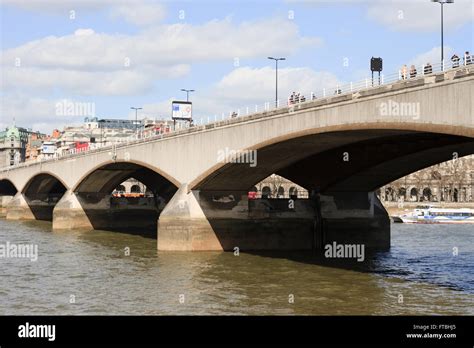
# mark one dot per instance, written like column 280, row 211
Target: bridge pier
column 4, row 201
column 223, row 221
column 18, row 209
column 183, row 226
column 355, row 218
column 68, row 214
column 100, row 211
column 217, row 221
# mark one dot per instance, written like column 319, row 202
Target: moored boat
column 429, row 214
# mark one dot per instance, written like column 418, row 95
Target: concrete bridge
column 341, row 148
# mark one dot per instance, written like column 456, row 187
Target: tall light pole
column 276, row 78
column 442, row 2
column 136, row 117
column 187, row 92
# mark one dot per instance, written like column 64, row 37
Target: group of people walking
column 428, row 68
column 296, row 98
column 455, row 60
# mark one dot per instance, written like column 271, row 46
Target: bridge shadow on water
column 370, row 263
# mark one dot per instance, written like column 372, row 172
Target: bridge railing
column 342, row 88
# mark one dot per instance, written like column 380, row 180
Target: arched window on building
column 414, row 194
column 402, row 194
column 455, row 195
column 293, row 192
column 120, row 188
column 135, row 189
column 427, row 194
column 389, row 194
column 281, row 192
column 266, row 192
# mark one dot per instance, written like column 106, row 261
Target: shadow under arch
column 318, row 158
column 42, row 192
column 7, row 192
column 135, row 215
column 7, row 188
column 346, row 166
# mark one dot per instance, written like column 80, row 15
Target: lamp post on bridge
column 442, row 2
column 276, row 77
column 136, row 117
column 187, row 92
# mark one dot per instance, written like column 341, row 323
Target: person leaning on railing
column 455, row 60
column 467, row 58
column 404, row 72
column 428, row 69
column 412, row 71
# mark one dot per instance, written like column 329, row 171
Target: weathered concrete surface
column 4, row 201
column 207, row 221
column 68, row 214
column 78, row 212
column 182, row 225
column 18, row 209
column 355, row 218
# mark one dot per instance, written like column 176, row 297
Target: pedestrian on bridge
column 455, row 60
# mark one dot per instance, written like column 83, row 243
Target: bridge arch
column 7, row 188
column 42, row 192
column 137, row 213
column 120, row 169
column 369, row 147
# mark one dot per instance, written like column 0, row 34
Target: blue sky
column 81, row 59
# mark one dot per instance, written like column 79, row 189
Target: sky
column 115, row 54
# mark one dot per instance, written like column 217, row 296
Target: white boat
column 430, row 215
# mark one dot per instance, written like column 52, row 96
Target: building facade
column 13, row 144
column 449, row 182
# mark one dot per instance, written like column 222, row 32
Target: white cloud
column 420, row 15
column 138, row 12
column 258, row 85
column 407, row 15
column 87, row 62
column 432, row 56
column 246, row 87
column 32, row 112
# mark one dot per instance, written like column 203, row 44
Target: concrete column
column 355, row 218
column 183, row 226
column 4, row 201
column 18, row 209
column 224, row 220
column 68, row 214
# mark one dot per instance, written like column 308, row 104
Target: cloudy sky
column 122, row 53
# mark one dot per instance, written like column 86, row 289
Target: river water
column 89, row 273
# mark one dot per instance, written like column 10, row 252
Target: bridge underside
column 341, row 170
column 7, row 192
column 91, row 204
column 37, row 199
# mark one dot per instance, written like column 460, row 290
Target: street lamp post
column 276, row 78
column 442, row 2
column 187, row 92
column 136, row 117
